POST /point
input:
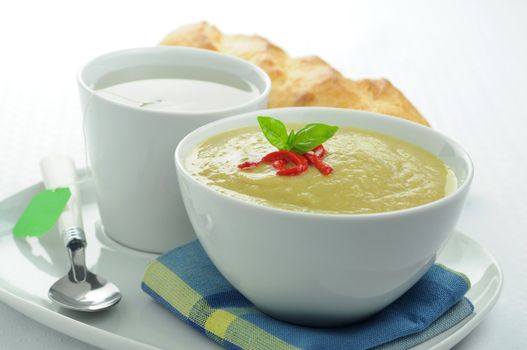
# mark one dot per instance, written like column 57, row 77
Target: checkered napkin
column 187, row 284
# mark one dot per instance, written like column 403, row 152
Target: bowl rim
column 443, row 201
column 263, row 95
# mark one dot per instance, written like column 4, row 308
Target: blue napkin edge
column 402, row 342
column 455, row 285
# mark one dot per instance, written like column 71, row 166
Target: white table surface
column 463, row 64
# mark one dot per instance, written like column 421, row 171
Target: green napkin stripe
column 169, row 286
column 219, row 324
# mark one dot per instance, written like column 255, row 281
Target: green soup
column 372, row 173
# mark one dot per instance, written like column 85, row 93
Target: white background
column 463, row 64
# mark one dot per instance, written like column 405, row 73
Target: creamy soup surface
column 372, row 173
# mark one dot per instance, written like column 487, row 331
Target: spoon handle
column 59, row 171
column 76, row 244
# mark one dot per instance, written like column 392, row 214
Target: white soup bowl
column 322, row 269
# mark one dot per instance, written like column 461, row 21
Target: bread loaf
column 304, row 81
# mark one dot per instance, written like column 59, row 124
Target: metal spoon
column 80, row 289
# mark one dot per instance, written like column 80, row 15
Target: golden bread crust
column 304, row 81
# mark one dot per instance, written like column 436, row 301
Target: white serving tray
column 30, row 266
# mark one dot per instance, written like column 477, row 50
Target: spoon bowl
column 93, row 294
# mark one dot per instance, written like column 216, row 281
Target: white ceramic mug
column 131, row 149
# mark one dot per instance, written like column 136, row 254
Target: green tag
column 42, row 212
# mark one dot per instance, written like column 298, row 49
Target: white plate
column 30, row 266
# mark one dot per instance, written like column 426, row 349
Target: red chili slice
column 280, row 159
column 300, row 163
column 248, row 165
column 319, row 151
column 279, row 164
column 318, row 163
